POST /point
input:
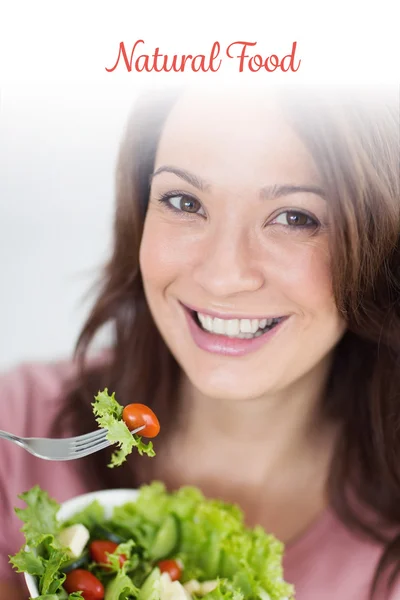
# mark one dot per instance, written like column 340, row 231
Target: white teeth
column 232, row 327
column 202, row 319
column 245, row 325
column 242, row 328
column 255, row 323
column 218, row 326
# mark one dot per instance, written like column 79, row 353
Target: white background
column 61, row 117
column 57, row 153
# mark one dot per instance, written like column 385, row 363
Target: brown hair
column 355, row 144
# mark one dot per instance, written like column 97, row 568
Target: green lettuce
column 225, row 591
column 128, row 550
column 108, row 413
column 43, row 555
column 39, row 516
column 121, row 588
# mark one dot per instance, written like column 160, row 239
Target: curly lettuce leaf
column 128, row 550
column 43, row 555
column 252, row 560
column 108, row 413
column 39, row 517
column 224, row 591
column 27, row 562
column 52, row 579
column 47, row 570
column 121, row 588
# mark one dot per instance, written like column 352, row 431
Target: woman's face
column 234, row 255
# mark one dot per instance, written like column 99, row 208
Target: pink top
column 327, row 563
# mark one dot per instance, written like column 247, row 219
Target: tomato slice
column 80, row 580
column 171, row 567
column 136, row 415
column 99, row 549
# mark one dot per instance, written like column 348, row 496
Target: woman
column 254, row 294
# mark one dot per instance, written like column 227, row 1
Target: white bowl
column 107, row 498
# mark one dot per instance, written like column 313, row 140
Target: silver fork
column 63, row 448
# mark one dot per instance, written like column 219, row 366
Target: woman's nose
column 229, row 264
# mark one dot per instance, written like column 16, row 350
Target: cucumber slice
column 102, row 533
column 149, row 588
column 166, row 539
column 210, row 561
column 76, row 563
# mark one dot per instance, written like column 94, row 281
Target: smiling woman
column 255, row 298
column 250, row 227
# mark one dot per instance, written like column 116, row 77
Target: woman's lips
column 223, row 344
column 224, row 315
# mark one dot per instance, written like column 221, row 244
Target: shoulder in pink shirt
column 330, row 562
column 327, row 563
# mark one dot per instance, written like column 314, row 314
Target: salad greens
column 40, row 527
column 108, row 413
column 221, row 559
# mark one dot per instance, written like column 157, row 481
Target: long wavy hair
column 353, row 137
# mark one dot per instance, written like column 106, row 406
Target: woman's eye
column 184, row 203
column 295, row 218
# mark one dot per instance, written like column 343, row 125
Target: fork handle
column 10, row 436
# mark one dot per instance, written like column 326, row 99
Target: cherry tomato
column 136, row 415
column 171, row 567
column 84, row 581
column 99, row 548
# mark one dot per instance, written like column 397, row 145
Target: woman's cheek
column 167, row 249
column 303, row 267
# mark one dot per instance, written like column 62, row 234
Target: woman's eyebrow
column 270, row 192
column 194, row 180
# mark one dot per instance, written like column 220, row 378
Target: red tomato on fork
column 99, row 549
column 171, row 567
column 80, row 580
column 136, row 415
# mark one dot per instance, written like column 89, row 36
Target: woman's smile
column 237, row 336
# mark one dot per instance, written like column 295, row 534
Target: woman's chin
column 228, row 386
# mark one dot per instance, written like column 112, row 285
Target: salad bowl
column 146, row 544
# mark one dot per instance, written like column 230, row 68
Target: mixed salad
column 162, row 546
column 120, row 421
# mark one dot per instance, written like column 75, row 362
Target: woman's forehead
column 212, row 115
column 226, row 136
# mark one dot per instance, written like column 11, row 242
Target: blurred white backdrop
column 58, row 147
